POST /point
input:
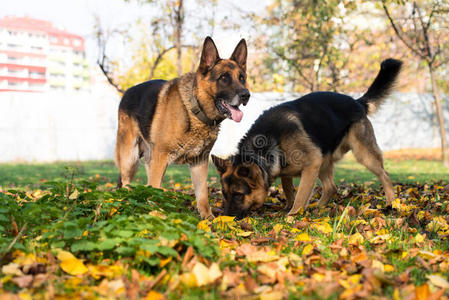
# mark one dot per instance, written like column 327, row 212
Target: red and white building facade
column 35, row 56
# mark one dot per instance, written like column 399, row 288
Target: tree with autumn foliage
column 310, row 41
column 160, row 35
column 423, row 27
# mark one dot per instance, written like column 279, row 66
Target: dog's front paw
column 206, row 214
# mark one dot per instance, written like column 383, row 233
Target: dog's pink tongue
column 236, row 114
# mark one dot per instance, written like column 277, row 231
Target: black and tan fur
column 305, row 137
column 157, row 119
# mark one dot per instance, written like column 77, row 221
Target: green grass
column 73, row 206
column 34, row 174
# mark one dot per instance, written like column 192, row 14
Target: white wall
column 82, row 126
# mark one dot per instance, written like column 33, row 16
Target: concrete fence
column 59, row 126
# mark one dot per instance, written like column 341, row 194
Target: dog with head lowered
column 177, row 121
column 305, row 137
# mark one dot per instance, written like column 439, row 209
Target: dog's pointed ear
column 221, row 164
column 209, row 55
column 240, row 54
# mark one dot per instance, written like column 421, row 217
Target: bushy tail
column 382, row 85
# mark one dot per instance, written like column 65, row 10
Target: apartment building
column 35, row 56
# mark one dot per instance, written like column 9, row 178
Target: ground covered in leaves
column 83, row 239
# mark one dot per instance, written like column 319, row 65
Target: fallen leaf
column 70, row 264
column 204, row 225
column 303, row 237
column 12, row 269
column 23, row 281
column 204, row 275
column 153, row 295
column 307, row 249
column 438, row 281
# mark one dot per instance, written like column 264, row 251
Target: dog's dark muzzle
column 244, row 96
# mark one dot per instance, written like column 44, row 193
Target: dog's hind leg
column 326, row 176
column 289, row 190
column 367, row 152
column 308, row 178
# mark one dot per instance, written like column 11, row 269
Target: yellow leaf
column 63, row 255
column 204, row 225
column 396, row 295
column 303, row 237
column 188, row 279
column 153, row 295
column 223, row 219
column 245, row 233
column 204, row 275
column 388, row 268
column 278, row 227
column 224, row 222
column 70, row 264
column 318, row 276
column 164, row 262
column 379, row 239
column 356, row 238
column 419, row 238
column 24, row 296
column 74, row 195
column 427, row 254
column 438, row 281
column 157, row 213
column 307, row 249
column 322, row 227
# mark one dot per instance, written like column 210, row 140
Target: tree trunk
column 178, row 34
column 440, row 118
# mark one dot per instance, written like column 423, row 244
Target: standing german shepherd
column 306, row 137
column 177, row 121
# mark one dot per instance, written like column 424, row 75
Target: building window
column 36, row 85
column 14, row 71
column 13, row 59
column 34, row 74
column 57, row 87
column 66, row 41
column 54, row 39
column 77, row 42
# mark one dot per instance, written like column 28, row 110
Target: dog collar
column 199, row 113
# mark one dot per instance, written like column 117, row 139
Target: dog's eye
column 238, row 196
column 242, row 78
column 224, row 78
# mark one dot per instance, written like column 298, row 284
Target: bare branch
column 161, row 55
column 101, row 63
column 399, row 34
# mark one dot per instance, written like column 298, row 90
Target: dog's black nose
column 244, row 96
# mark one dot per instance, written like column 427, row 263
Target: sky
column 77, row 16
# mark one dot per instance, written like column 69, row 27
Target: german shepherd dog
column 177, row 121
column 306, row 137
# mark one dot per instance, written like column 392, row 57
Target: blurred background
column 65, row 64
